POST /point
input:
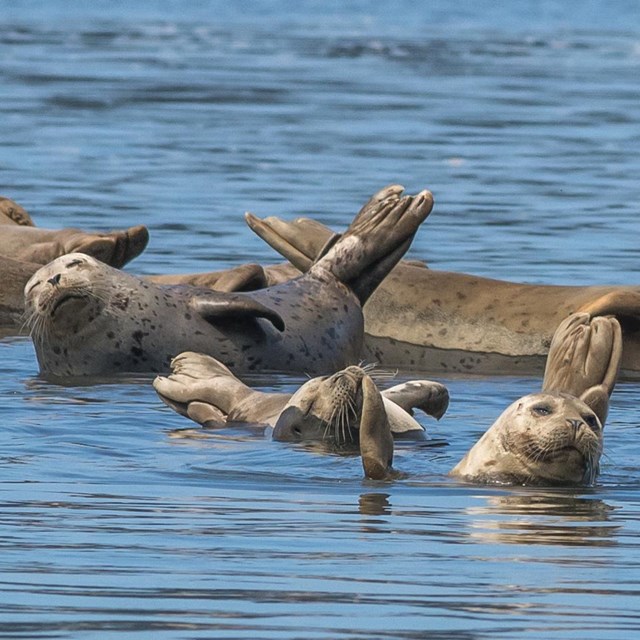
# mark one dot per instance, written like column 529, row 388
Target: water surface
column 523, row 119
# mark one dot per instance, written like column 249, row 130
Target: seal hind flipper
column 12, row 213
column 246, row 277
column 376, row 240
column 624, row 304
column 361, row 258
column 301, row 242
column 426, row 395
column 584, row 360
column 205, row 390
column 213, row 305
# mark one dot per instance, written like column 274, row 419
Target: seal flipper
column 212, row 306
column 12, row 213
column 373, row 244
column 426, row 395
column 584, row 360
column 376, row 441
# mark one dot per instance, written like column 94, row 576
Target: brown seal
column 555, row 437
column 88, row 318
column 421, row 318
column 322, row 409
column 344, row 410
column 24, row 248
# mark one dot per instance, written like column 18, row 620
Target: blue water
column 524, row 120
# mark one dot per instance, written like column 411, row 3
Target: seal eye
column 74, row 263
column 591, row 420
column 542, row 410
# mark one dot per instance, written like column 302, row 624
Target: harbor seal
column 439, row 321
column 555, row 437
column 325, row 408
column 87, row 318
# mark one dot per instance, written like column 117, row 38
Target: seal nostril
column 54, row 280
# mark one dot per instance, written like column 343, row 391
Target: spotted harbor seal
column 87, row 318
column 326, row 408
column 439, row 321
column 555, row 437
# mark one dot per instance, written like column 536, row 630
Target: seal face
column 324, row 409
column 543, row 438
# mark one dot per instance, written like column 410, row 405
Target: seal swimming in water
column 24, row 248
column 439, row 321
column 88, row 318
column 325, row 408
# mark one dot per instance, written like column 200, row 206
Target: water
column 524, row 121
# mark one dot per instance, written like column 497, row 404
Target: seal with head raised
column 326, row 408
column 88, row 318
column 434, row 320
column 555, row 437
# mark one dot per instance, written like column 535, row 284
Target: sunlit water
column 523, row 120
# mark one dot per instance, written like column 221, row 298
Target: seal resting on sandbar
column 555, row 437
column 326, row 408
column 25, row 248
column 440, row 321
column 89, row 319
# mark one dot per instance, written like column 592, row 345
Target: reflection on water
column 119, row 519
column 543, row 518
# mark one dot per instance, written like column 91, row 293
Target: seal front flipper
column 426, row 395
column 376, row 441
column 212, row 306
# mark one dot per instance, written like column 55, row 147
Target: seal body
column 88, row 318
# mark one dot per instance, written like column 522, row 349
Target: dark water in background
column 524, row 120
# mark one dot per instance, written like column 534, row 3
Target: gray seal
column 87, row 318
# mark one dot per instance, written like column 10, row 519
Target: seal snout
column 55, row 280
